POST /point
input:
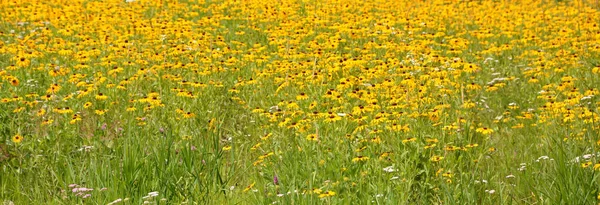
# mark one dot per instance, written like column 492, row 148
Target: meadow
column 299, row 102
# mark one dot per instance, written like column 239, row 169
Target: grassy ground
column 299, row 102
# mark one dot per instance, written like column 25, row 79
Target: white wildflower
column 115, row 201
column 389, row 169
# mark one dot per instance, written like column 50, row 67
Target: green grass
column 401, row 63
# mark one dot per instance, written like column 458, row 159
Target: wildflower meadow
column 299, row 102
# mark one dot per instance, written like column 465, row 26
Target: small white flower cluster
column 585, row 157
column 389, row 169
column 523, row 167
column 377, row 196
column 496, row 80
column 150, row 195
column 544, row 158
column 85, row 148
column 148, row 198
column 118, row 201
column 587, row 98
column 482, row 181
column 490, row 59
column 281, row 194
column 81, row 191
column 8, row 203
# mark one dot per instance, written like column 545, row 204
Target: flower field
column 299, row 102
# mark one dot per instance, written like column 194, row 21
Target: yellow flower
column 473, row 86
column 87, row 104
column 448, row 174
column 63, row 110
column 429, row 146
column 332, row 118
column 258, row 110
column 484, row 130
column 586, row 164
column 41, row 112
column 384, row 155
column 439, row 171
column 471, row 145
column 189, row 115
column 54, row 88
column 312, row 105
column 227, row 148
column 436, row 158
column 23, row 62
column 360, row 159
column 327, row 194
column 17, row 138
column 101, row 96
column 518, row 126
column 312, row 137
column 47, row 122
column 468, row 104
column 249, row 187
column 451, row 148
column 19, row 109
column 74, row 120
column 317, row 191
column 14, row 81
column 100, row 112
column 302, row 96
column 256, row 146
column 432, row 140
column 410, row 139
